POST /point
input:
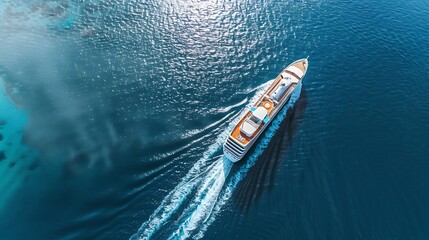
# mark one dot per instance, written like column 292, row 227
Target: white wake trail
column 200, row 210
column 250, row 161
column 208, row 181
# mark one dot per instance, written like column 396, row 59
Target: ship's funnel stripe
column 230, row 146
column 235, row 144
column 229, row 143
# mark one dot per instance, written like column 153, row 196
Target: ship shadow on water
column 261, row 176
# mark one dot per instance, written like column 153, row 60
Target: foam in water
column 200, row 210
column 250, row 161
column 208, row 182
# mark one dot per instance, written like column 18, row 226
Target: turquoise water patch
column 122, row 105
column 47, row 14
column 16, row 159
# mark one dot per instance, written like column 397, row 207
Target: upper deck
column 270, row 104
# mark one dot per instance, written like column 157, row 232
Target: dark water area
column 113, row 113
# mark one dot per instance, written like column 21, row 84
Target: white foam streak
column 207, row 180
column 242, row 172
column 199, row 211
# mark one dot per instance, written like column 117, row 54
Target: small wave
column 200, row 210
column 206, row 179
column 250, row 161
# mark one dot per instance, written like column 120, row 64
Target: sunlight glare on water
column 113, row 114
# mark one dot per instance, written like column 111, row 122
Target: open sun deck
column 264, row 109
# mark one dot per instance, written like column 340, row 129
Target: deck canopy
column 296, row 71
column 259, row 114
column 251, row 124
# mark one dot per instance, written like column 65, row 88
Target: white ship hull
column 240, row 140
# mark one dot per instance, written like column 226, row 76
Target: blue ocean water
column 112, row 116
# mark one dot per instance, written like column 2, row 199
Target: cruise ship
column 263, row 111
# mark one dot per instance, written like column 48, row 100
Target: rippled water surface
column 113, row 113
